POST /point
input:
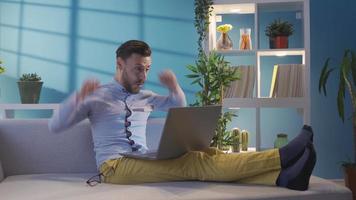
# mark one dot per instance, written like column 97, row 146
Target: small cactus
column 30, row 77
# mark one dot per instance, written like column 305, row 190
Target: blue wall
column 332, row 30
column 66, row 41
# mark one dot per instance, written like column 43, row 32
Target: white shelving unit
column 255, row 8
column 7, row 110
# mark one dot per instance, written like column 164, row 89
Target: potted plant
column 347, row 82
column 30, row 86
column 212, row 73
column 278, row 32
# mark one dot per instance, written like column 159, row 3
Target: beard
column 133, row 87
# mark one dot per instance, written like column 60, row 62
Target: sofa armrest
column 1, row 173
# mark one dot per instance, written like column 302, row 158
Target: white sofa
column 39, row 165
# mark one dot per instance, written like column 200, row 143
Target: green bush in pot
column 30, row 86
column 278, row 32
column 347, row 82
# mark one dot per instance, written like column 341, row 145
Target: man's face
column 134, row 72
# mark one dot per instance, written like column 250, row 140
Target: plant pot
column 278, row 42
column 30, row 91
column 350, row 179
column 224, row 147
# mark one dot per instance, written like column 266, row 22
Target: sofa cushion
column 27, row 147
column 73, row 186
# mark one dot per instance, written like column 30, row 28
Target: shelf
column 294, row 5
column 281, row 52
column 29, row 106
column 263, row 52
column 9, row 109
column 234, row 9
column 292, row 102
column 236, row 52
column 257, row 15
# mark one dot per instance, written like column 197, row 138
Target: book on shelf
column 287, row 80
column 242, row 88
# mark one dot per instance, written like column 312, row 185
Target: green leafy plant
column 347, row 82
column 2, row 68
column 30, row 77
column 223, row 137
column 211, row 72
column 202, row 10
column 279, row 28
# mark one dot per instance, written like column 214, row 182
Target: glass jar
column 281, row 140
column 245, row 39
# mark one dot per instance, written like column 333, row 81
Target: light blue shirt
column 106, row 110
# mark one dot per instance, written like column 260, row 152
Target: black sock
column 309, row 128
column 294, row 149
column 297, row 176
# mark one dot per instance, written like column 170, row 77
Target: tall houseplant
column 347, row 82
column 278, row 32
column 30, row 86
column 211, row 72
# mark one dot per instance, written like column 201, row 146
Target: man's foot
column 294, row 149
column 296, row 177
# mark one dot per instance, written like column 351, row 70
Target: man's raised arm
column 72, row 110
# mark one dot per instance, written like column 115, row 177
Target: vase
column 224, row 42
column 281, row 140
column 30, row 91
column 350, row 178
column 278, row 42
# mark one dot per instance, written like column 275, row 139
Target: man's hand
column 168, row 79
column 88, row 87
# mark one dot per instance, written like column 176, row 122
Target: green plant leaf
column 192, row 76
column 353, row 67
column 192, row 68
column 30, row 77
column 196, row 81
column 341, row 95
column 323, row 78
column 326, row 79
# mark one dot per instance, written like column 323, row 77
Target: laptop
column 185, row 129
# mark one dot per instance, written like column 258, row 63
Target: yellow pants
column 209, row 165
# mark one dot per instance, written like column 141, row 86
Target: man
column 117, row 127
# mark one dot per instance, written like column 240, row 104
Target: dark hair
column 133, row 46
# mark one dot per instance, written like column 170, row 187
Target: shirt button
column 127, row 124
column 128, row 133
